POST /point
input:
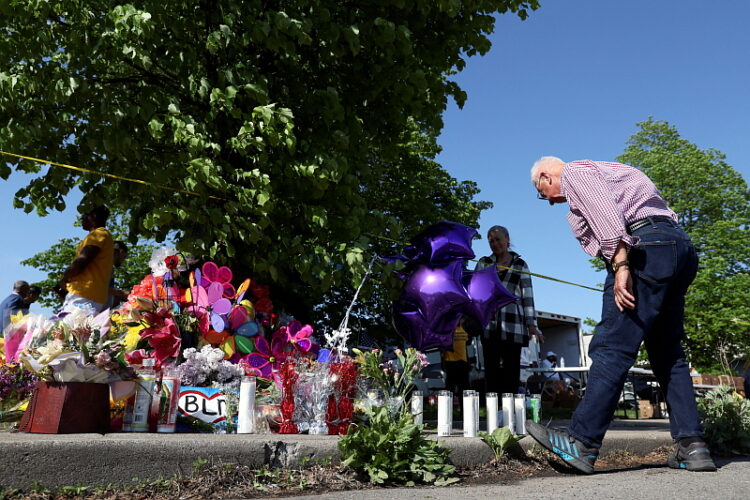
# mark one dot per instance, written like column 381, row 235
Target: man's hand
column 534, row 331
column 623, row 289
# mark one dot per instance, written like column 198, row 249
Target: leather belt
column 631, row 228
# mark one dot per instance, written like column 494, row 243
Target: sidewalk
column 95, row 459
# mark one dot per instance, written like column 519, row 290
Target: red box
column 67, row 408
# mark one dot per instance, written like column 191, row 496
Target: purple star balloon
column 441, row 243
column 410, row 323
column 487, row 294
column 436, row 290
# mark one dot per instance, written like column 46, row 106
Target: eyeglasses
column 539, row 195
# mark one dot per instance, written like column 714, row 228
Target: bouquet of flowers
column 77, row 348
column 393, row 377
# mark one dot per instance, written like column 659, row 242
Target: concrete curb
column 95, row 459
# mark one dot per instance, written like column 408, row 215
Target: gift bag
column 67, row 408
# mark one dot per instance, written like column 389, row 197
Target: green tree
column 285, row 119
column 712, row 201
column 56, row 259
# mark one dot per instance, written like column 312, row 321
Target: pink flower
column 136, row 357
column 102, row 358
column 398, row 352
column 299, row 336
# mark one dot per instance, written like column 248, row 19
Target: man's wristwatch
column 618, row 265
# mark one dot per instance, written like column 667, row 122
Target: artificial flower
column 300, row 337
column 136, row 357
column 171, row 262
column 267, row 358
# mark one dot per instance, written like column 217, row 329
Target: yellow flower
column 133, row 337
column 16, row 318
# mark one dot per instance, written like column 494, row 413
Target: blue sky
column 570, row 81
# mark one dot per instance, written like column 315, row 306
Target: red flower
column 136, row 357
column 172, row 261
column 164, row 338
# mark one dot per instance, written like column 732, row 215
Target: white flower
column 337, row 339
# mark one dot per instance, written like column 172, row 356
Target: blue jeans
column 662, row 266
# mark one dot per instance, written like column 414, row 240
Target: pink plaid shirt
column 604, row 198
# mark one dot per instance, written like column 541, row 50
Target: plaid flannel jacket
column 511, row 322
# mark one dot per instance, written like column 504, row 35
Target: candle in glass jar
column 491, row 399
column 509, row 411
column 246, row 410
column 417, row 406
column 468, row 411
column 445, row 413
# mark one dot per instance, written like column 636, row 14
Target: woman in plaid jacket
column 512, row 325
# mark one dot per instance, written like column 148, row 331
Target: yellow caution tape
column 104, row 174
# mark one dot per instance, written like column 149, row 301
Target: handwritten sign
column 205, row 403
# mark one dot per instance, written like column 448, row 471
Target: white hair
column 541, row 162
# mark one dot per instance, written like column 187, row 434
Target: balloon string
column 104, row 174
column 508, row 268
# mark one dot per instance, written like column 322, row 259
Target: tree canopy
column 298, row 128
column 712, row 201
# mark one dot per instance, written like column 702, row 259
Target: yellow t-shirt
column 93, row 282
column 460, row 337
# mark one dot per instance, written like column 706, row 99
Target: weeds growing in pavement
column 500, row 441
column 392, row 450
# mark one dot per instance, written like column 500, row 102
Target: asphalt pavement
column 730, row 482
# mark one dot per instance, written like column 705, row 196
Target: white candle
column 468, row 410
column 246, row 410
column 417, row 406
column 445, row 413
column 520, row 414
column 509, row 412
column 475, row 399
column 491, row 411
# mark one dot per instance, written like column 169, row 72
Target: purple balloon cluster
column 439, row 290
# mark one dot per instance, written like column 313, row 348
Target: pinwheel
column 210, row 302
column 298, row 336
column 211, row 273
column 267, row 358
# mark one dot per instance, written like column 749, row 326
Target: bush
column 726, row 421
column 392, row 450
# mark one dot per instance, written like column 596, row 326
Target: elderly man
column 88, row 276
column 13, row 303
column 617, row 214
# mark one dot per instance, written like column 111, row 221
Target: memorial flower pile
column 76, row 347
column 177, row 308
